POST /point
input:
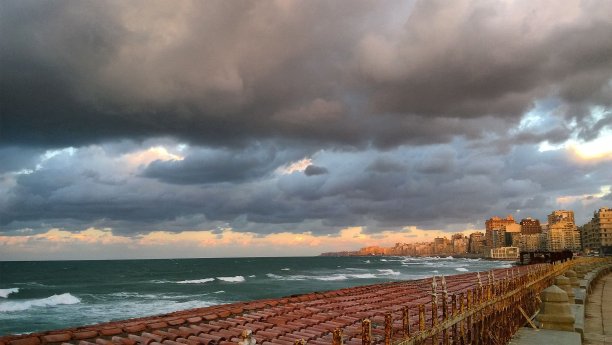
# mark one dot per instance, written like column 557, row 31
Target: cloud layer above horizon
column 300, row 117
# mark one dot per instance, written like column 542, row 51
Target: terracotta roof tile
column 25, row 341
column 134, row 328
column 84, row 342
column 84, row 334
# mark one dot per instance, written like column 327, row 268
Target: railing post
column 388, row 328
column 406, row 322
column 421, row 317
column 434, row 320
column 470, row 331
column 366, row 332
column 455, row 334
column 337, row 337
column 462, row 322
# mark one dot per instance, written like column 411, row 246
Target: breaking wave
column 196, row 281
column 388, row 272
column 64, row 298
column 236, row 279
column 5, row 292
column 461, row 269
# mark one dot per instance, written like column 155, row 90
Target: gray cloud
column 211, row 73
column 222, row 165
column 91, row 188
column 313, row 170
column 427, row 113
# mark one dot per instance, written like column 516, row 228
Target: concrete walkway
column 598, row 314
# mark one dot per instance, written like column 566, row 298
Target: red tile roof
column 311, row 317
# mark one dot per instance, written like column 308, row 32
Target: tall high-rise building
column 562, row 231
column 530, row 226
column 476, row 242
column 597, row 234
column 495, row 235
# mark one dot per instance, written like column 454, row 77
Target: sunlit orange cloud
column 585, row 199
column 348, row 239
column 149, row 155
column 231, row 243
column 89, row 236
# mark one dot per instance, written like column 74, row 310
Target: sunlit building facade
column 597, row 234
column 562, row 231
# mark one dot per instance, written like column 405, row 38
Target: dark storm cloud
column 222, row 165
column 427, row 113
column 90, row 188
column 313, row 170
column 348, row 73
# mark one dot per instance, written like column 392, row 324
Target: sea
column 45, row 295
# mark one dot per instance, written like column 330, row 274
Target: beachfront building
column 459, row 244
column 530, row 226
column 530, row 242
column 505, row 253
column 495, row 234
column 562, row 231
column 597, row 233
column 476, row 243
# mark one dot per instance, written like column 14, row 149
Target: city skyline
column 281, row 128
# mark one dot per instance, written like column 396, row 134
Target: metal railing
column 489, row 313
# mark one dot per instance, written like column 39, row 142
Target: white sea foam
column 236, row 279
column 363, row 276
column 196, row 281
column 388, row 272
column 285, row 269
column 5, row 292
column 64, row 298
column 273, row 276
column 252, row 276
column 220, row 291
column 367, row 261
column 461, row 269
column 385, row 260
column 331, row 278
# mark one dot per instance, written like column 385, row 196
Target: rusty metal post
column 470, row 299
column 336, row 337
column 434, row 321
column 406, row 322
column 445, row 333
column 421, row 317
column 388, row 328
column 366, row 332
column 462, row 322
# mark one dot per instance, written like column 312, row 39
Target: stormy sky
column 241, row 128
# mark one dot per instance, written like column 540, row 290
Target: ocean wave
column 461, row 269
column 236, row 279
column 197, row 281
column 64, row 298
column 331, row 278
column 363, row 276
column 388, row 272
column 5, row 292
column 285, row 269
column 383, row 260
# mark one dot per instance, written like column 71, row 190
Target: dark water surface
column 43, row 295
